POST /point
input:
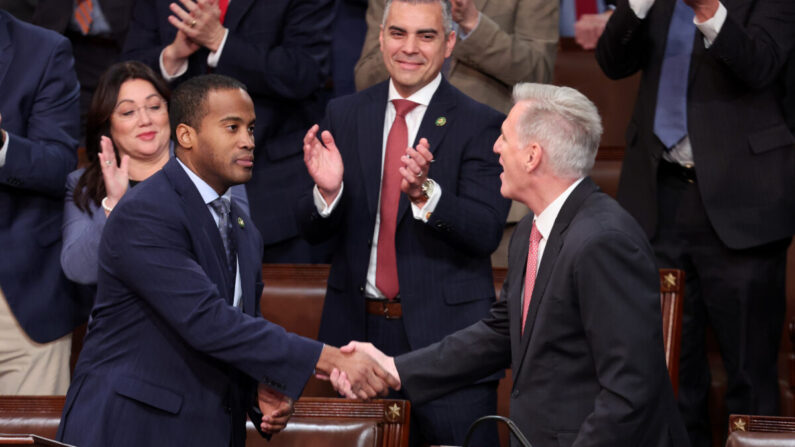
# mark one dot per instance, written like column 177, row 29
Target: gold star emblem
column 241, row 222
column 739, row 425
column 669, row 280
column 441, row 121
column 393, row 412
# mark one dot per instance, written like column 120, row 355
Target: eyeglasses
column 130, row 112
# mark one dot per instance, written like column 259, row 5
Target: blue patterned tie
column 222, row 207
column 670, row 117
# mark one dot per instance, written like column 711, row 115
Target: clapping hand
column 116, row 176
column 324, row 163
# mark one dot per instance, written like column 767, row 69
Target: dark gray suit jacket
column 589, row 369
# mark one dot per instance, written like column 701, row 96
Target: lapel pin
column 241, row 222
column 441, row 121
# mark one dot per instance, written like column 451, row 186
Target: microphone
column 511, row 426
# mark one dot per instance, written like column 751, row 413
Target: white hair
column 564, row 122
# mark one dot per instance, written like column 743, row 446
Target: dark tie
column 670, row 117
column 585, row 7
column 222, row 208
column 530, row 273
column 83, row 15
column 386, row 275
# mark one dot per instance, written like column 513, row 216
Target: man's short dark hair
column 188, row 102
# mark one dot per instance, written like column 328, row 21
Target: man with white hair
column 579, row 319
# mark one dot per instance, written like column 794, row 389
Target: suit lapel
column 549, row 258
column 370, row 133
column 6, row 49
column 235, row 13
column 199, row 215
column 434, row 127
column 516, row 274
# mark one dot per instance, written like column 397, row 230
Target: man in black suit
column 708, row 173
column 279, row 49
column 579, row 318
column 413, row 267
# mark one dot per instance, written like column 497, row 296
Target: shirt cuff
column 424, row 213
column 462, row 35
column 323, row 208
column 711, row 27
column 4, row 149
column 181, row 71
column 641, row 7
column 215, row 56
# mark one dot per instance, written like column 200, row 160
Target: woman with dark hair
column 127, row 140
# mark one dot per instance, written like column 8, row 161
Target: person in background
column 280, row 50
column 128, row 140
column 414, row 237
column 584, row 20
column 708, row 173
column 96, row 28
column 497, row 45
column 39, row 127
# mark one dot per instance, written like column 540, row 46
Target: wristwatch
column 427, row 188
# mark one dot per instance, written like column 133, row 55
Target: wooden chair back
column 672, row 292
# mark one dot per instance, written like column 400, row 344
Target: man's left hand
column 416, row 163
column 276, row 409
column 201, row 22
column 704, row 9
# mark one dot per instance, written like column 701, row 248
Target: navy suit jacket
column 167, row 360
column 39, row 108
column 280, row 50
column 444, row 266
column 743, row 151
column 589, row 369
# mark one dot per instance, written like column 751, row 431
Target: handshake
column 357, row 371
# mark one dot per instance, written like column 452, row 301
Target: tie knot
column 535, row 235
column 221, row 206
column 403, row 106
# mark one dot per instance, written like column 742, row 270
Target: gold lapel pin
column 441, row 121
column 241, row 222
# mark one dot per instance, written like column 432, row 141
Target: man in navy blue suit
column 177, row 350
column 416, row 225
column 280, row 50
column 39, row 120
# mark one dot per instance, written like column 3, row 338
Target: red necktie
column 222, row 5
column 386, row 275
column 585, row 7
column 530, row 273
column 83, row 15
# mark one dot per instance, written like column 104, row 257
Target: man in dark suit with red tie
column 579, row 317
column 708, row 174
column 405, row 177
column 279, row 49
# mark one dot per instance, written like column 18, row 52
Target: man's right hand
column 176, row 54
column 324, row 163
column 339, row 380
column 367, row 379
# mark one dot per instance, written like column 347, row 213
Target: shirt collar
column 546, row 219
column 206, row 191
column 422, row 96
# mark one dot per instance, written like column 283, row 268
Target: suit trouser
column 740, row 294
column 27, row 367
column 443, row 421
